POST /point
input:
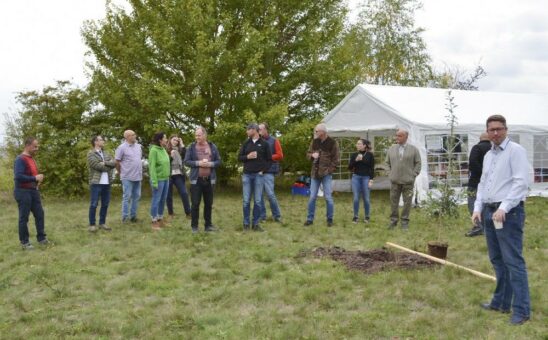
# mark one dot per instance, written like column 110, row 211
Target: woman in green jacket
column 159, row 170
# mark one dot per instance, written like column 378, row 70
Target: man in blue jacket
column 202, row 157
column 27, row 181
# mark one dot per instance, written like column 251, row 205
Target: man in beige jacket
column 404, row 164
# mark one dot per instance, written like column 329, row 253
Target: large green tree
column 175, row 64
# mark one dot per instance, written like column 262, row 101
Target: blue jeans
column 360, row 188
column 505, row 253
column 252, row 184
column 28, row 200
column 131, row 195
column 326, row 182
column 179, row 182
column 96, row 191
column 158, row 201
column 271, row 195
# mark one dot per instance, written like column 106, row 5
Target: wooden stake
column 435, row 259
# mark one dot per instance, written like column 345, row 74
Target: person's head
column 320, row 131
column 31, row 145
column 97, row 142
column 200, row 134
column 130, row 136
column 252, row 130
column 159, row 139
column 496, row 128
column 263, row 129
column 174, row 141
column 484, row 136
column 363, row 145
column 401, row 136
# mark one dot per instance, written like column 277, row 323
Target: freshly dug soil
column 372, row 261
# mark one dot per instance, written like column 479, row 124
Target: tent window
column 437, row 152
column 540, row 158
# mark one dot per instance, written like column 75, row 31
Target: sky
column 40, row 42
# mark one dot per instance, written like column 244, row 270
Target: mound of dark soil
column 372, row 261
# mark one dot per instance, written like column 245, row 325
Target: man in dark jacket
column 475, row 165
column 257, row 158
column 324, row 154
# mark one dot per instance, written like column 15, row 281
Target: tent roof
column 378, row 107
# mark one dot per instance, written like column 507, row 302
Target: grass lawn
column 133, row 283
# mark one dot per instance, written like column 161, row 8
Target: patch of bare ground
column 371, row 261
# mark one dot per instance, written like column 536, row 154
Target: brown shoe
column 156, row 226
column 104, row 227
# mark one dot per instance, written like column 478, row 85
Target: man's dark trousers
column 28, row 200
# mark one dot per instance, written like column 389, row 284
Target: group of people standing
column 499, row 172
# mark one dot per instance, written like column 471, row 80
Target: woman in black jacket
column 362, row 165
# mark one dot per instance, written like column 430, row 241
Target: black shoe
column 329, row 223
column 487, row 306
column 133, row 220
column 246, row 227
column 27, row 246
column 278, row 219
column 210, row 229
column 354, row 219
column 257, row 227
column 194, row 230
column 392, row 224
column 518, row 320
column 475, row 231
column 308, row 223
column 366, row 220
column 405, row 226
column 45, row 242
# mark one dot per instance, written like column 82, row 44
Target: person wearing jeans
column 362, row 166
column 323, row 152
column 176, row 151
column 257, row 158
column 130, row 167
column 26, row 183
column 159, row 171
column 500, row 205
column 101, row 171
column 203, row 158
column 269, row 176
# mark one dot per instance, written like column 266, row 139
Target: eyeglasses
column 497, row 130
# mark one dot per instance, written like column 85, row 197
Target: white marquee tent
column 371, row 111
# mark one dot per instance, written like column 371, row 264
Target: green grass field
column 133, row 283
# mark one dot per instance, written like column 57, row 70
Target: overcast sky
column 40, row 42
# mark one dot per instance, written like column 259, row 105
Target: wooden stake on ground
column 435, row 259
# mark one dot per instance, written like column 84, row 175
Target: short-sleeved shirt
column 129, row 156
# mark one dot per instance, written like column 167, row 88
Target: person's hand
column 370, row 184
column 359, row 157
column 39, row 178
column 499, row 216
column 476, row 218
column 203, row 163
column 315, row 154
column 252, row 155
column 181, row 142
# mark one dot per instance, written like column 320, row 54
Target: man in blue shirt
column 499, row 204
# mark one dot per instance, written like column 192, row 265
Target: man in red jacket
column 277, row 156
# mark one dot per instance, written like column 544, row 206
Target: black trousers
column 202, row 188
column 28, row 200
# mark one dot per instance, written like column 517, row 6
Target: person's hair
column 204, row 131
column 403, row 130
column 29, row 140
column 158, row 137
column 366, row 143
column 170, row 147
column 496, row 118
column 321, row 127
column 265, row 125
column 94, row 139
